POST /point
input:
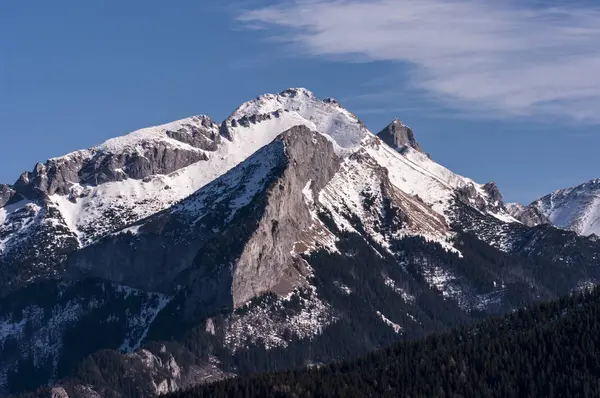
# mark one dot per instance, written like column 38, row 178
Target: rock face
column 6, row 194
column 528, row 215
column 310, row 158
column 486, row 198
column 99, row 191
column 172, row 240
column 58, row 392
column 288, row 235
column 141, row 154
column 397, row 135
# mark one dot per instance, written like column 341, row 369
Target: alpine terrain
column 576, row 209
column 286, row 236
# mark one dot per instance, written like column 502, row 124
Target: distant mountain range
column 576, row 209
column 286, row 236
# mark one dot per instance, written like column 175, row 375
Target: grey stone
column 469, row 195
column 397, row 135
column 266, row 263
column 170, row 251
column 528, row 215
column 58, row 392
column 94, row 167
column 494, row 194
column 6, row 194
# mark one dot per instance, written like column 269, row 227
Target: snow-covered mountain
column 286, row 235
column 86, row 195
column 576, row 209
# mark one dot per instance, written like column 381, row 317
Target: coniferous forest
column 547, row 350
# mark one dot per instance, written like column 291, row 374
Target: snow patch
column 308, row 194
column 15, row 220
column 269, row 322
column 326, row 117
column 343, row 288
column 397, row 328
column 142, row 321
column 407, row 297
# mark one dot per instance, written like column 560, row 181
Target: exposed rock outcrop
column 397, row 134
column 528, row 215
column 169, row 148
column 152, row 254
column 295, row 237
column 310, row 157
column 491, row 201
column 6, row 194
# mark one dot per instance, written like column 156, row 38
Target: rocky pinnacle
column 397, row 135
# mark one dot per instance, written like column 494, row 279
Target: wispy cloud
column 515, row 58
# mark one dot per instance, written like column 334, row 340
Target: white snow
column 576, row 208
column 328, row 118
column 397, row 328
column 133, row 230
column 308, row 194
column 235, row 189
column 95, row 211
column 143, row 320
column 137, row 199
column 134, row 142
column 343, row 288
column 15, row 220
column 416, row 174
column 585, row 286
column 137, row 140
column 361, row 178
column 92, row 212
column 407, row 297
column 268, row 323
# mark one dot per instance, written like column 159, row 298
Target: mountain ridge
column 576, row 208
column 296, row 236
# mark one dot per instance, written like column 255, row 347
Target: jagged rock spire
column 6, row 193
column 397, row 134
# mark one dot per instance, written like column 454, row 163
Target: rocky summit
column 397, row 135
column 286, row 236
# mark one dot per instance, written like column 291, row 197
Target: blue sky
column 504, row 91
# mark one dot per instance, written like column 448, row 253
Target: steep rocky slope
column 79, row 198
column 286, row 236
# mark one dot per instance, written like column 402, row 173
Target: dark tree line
column 551, row 350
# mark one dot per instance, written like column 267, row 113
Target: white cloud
column 515, row 58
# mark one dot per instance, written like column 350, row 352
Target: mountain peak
column 398, row 135
column 294, row 91
column 292, row 107
column 576, row 208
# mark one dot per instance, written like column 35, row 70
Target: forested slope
column 551, row 349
